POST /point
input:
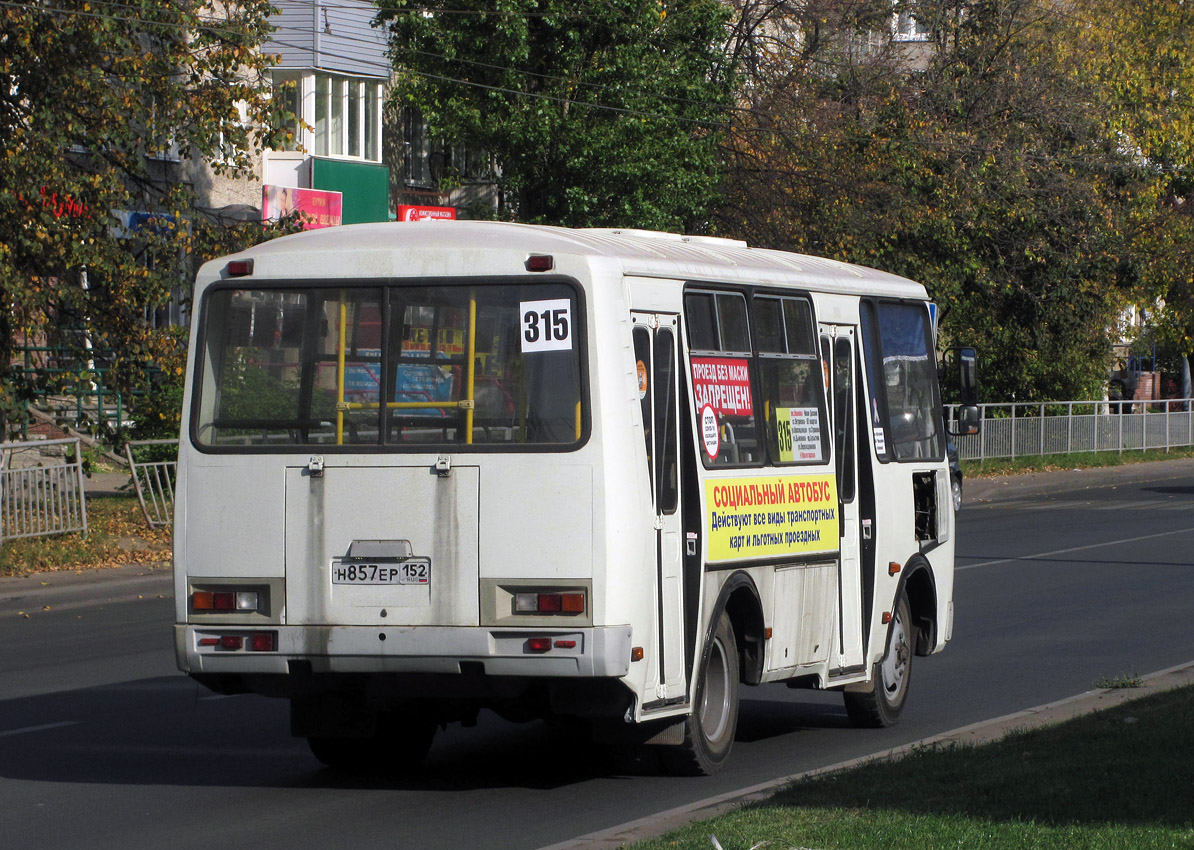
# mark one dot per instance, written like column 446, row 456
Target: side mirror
column 968, row 422
column 959, row 379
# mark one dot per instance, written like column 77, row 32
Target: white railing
column 154, row 480
column 45, row 496
column 1063, row 427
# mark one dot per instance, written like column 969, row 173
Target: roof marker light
column 540, row 263
column 239, row 268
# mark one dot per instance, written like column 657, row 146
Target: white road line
column 41, row 728
column 1073, row 549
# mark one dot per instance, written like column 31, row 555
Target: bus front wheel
column 709, row 729
column 883, row 700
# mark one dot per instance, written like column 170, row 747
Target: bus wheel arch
column 920, row 587
column 739, row 598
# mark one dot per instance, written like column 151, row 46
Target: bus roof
column 364, row 250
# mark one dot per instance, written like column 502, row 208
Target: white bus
column 614, row 475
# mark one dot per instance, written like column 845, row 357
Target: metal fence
column 1061, row 427
column 154, row 478
column 46, row 498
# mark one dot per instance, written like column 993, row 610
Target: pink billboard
column 319, row 208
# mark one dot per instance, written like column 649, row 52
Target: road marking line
column 41, row 728
column 1074, row 549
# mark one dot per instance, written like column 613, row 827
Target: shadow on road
column 170, row 731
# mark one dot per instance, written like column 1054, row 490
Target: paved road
column 102, row 744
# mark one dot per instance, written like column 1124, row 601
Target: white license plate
column 409, row 571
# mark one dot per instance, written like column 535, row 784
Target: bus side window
column 902, row 375
column 642, row 356
column 843, row 417
column 722, row 379
column 791, row 381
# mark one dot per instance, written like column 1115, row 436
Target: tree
column 598, row 112
column 1140, row 58
column 979, row 163
column 99, row 102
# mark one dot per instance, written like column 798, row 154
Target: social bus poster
column 723, row 383
column 772, row 517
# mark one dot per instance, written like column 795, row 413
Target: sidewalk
column 1005, row 488
column 64, row 589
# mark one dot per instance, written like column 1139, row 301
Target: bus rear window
column 388, row 365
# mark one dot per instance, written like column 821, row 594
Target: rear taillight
column 549, row 603
column 225, row 601
column 240, row 641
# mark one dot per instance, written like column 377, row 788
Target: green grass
column 118, row 535
column 1121, row 682
column 1119, row 778
column 1076, row 460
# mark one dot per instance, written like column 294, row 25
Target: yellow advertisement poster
column 771, row 517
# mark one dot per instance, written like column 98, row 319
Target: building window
column 906, row 26
column 347, row 117
column 416, row 152
column 288, row 110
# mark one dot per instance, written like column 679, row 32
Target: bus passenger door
column 656, row 348
column 839, row 351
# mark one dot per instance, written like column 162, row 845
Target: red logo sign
column 409, row 213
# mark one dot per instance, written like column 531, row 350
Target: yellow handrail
column 463, row 404
column 340, row 404
column 470, row 369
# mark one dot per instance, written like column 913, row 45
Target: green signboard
column 364, row 186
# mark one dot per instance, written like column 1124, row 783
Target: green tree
column 1139, row 56
column 99, row 103
column 978, row 162
column 597, row 113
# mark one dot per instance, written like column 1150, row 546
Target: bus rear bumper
column 593, row 652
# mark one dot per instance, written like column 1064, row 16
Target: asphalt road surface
column 104, row 744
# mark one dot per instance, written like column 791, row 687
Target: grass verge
column 1118, row 778
column 1076, row 460
column 118, row 535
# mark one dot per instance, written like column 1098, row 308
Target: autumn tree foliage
column 101, row 106
column 999, row 162
column 596, row 112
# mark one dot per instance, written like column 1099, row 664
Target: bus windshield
column 390, row 365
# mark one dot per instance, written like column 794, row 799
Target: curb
column 985, row 731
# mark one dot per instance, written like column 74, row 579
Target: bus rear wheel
column 709, row 729
column 883, row 701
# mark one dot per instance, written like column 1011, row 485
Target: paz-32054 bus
column 613, row 475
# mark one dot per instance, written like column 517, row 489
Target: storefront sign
column 318, row 207
column 412, row 213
